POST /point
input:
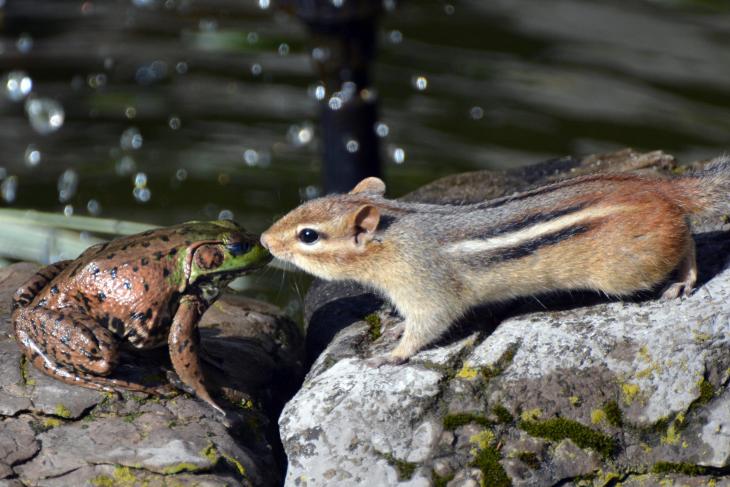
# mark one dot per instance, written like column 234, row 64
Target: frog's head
column 221, row 250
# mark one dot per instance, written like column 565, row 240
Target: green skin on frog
column 146, row 290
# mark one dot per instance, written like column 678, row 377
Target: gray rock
column 55, row 434
column 530, row 393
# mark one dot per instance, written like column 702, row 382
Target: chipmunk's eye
column 308, row 236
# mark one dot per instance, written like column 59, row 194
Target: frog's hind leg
column 28, row 291
column 71, row 347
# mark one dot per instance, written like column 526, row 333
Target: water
column 169, row 110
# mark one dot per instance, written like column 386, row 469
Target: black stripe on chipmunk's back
column 530, row 220
column 531, row 246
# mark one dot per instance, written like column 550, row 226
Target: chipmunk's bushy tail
column 708, row 189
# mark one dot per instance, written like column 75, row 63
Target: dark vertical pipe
column 344, row 34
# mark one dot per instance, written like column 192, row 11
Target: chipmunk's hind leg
column 686, row 275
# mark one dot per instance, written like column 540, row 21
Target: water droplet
column 181, row 67
column 476, row 113
column 208, row 25
column 251, row 157
column 256, row 69
column 225, row 215
column 140, row 180
column 9, row 189
column 300, row 135
column 320, row 92
column 68, row 210
column 17, row 85
column 130, row 112
column 399, row 155
column 125, row 166
column 352, row 146
column 420, row 82
column 252, row 37
column 146, row 75
column 335, row 103
column 309, row 192
column 131, row 139
column 142, row 195
column 283, row 49
column 174, row 122
column 382, row 129
column 32, row 156
column 24, row 43
column 395, row 36
column 181, row 174
column 321, row 54
column 264, row 4
column 96, row 80
column 68, row 182
column 44, row 114
column 93, row 207
column 449, row 9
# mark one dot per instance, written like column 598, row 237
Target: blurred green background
column 161, row 111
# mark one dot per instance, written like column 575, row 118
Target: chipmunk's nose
column 265, row 241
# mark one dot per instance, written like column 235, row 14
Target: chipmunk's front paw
column 390, row 359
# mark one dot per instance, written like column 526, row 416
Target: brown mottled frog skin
column 146, row 289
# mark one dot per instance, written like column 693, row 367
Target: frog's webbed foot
column 183, row 343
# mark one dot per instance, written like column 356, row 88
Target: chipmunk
column 616, row 233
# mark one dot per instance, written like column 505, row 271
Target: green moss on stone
column 503, row 414
column 375, row 326
column 487, row 460
column 24, row 374
column 124, row 476
column 181, row 467
column 439, row 481
column 211, row 453
column 453, row 421
column 62, row 411
column 557, row 429
column 502, row 362
column 613, row 413
column 102, row 481
column 707, row 392
column 529, row 458
column 239, row 467
column 405, row 469
column 684, row 468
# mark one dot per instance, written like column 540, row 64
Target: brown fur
column 612, row 233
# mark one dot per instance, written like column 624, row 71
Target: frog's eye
column 308, row 236
column 238, row 248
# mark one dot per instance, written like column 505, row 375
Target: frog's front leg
column 184, row 344
column 71, row 347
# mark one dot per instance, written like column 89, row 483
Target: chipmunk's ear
column 370, row 185
column 364, row 221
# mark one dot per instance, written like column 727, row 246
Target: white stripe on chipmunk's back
column 519, row 237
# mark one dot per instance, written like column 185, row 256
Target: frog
column 140, row 291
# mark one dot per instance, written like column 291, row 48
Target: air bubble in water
column 174, row 122
column 44, row 114
column 32, row 156
column 93, row 207
column 68, row 182
column 131, row 139
column 352, row 146
column 68, row 210
column 181, row 174
column 24, row 43
column 476, row 113
column 9, row 189
column 126, row 165
column 420, row 82
column 382, row 129
column 225, row 215
column 256, row 69
column 140, row 180
column 142, row 195
column 17, row 85
column 300, row 135
column 283, row 49
column 399, row 155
